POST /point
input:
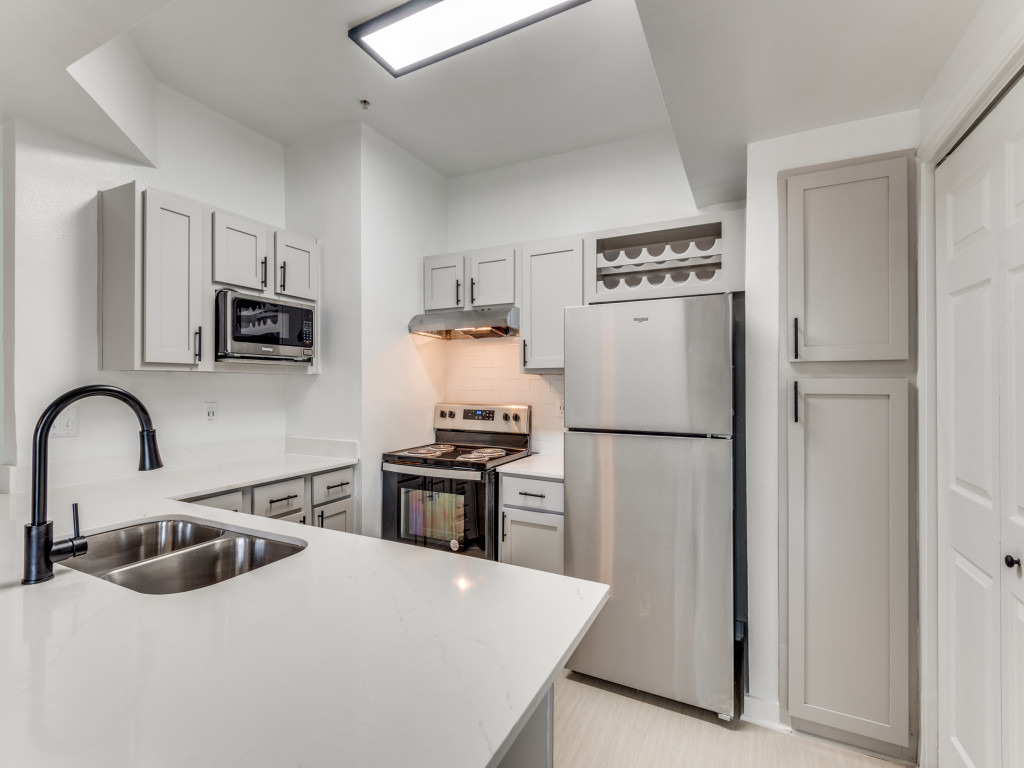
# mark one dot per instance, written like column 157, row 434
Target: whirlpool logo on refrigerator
column 641, row 319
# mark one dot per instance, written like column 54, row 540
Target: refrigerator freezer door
column 652, row 517
column 650, row 366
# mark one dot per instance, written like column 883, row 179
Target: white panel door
column 975, row 356
column 848, row 256
column 297, row 262
column 444, row 279
column 849, row 528
column 240, row 255
column 172, row 275
column 1011, row 265
column 492, row 276
column 552, row 281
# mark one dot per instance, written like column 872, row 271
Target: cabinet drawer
column 331, row 486
column 535, row 494
column 277, row 499
column 336, row 516
column 232, row 501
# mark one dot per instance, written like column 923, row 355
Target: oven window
column 434, row 515
column 266, row 322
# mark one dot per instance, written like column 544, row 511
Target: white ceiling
column 737, row 71
column 732, row 71
column 288, row 70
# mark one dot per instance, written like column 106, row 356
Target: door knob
column 1011, row 561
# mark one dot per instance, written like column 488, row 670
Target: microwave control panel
column 307, row 331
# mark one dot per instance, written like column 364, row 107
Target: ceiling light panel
column 421, row 32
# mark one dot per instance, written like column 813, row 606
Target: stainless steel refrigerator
column 649, row 493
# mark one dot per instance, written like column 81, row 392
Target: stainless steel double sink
column 163, row 557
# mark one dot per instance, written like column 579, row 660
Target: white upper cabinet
column 848, row 262
column 552, row 281
column 444, row 280
column 297, row 266
column 492, row 276
column 240, row 251
column 173, row 284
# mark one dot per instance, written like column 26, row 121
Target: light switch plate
column 211, row 411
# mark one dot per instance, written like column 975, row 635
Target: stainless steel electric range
column 444, row 494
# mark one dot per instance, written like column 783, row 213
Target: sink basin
column 163, row 557
column 202, row 565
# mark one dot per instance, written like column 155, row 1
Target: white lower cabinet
column 324, row 499
column 532, row 524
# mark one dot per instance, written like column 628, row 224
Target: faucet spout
column 40, row 549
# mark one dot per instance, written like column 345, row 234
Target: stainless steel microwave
column 263, row 329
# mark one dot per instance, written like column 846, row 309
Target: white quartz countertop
column 353, row 652
column 546, row 466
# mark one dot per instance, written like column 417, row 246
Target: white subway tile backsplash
column 487, row 371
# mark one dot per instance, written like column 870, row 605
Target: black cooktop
column 456, row 455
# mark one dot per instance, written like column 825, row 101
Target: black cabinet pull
column 472, row 291
column 457, row 286
column 535, row 495
column 503, row 526
column 321, row 519
column 796, row 402
column 285, row 264
column 198, row 340
column 1010, row 560
column 332, row 487
column 284, row 498
column 263, row 280
column 796, row 338
column 303, row 521
column 524, row 353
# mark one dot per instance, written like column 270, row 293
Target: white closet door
column 978, row 282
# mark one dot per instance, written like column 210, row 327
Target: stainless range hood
column 489, row 323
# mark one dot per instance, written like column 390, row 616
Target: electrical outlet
column 211, row 411
column 66, row 424
column 561, row 408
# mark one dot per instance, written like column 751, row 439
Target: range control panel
column 514, row 419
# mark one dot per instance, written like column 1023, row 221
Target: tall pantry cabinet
column 846, row 466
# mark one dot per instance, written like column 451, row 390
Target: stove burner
column 482, row 454
column 428, row 451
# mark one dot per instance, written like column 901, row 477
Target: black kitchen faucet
column 41, row 551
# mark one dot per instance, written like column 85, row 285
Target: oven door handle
column 415, row 469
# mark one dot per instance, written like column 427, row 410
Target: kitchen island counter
column 353, row 652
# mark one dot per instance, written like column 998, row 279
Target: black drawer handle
column 339, row 485
column 535, row 495
column 284, row 498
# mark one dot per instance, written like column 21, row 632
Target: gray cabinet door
column 849, row 573
column 240, row 255
column 848, row 258
column 532, row 539
column 444, row 282
column 298, row 266
column 173, row 275
column 552, row 281
column 492, row 276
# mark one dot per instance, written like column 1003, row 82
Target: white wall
column 7, row 446
column 205, row 156
column 403, row 218
column 634, row 181
column 765, row 159
column 323, row 188
column 487, row 371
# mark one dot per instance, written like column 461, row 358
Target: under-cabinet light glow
column 421, row 32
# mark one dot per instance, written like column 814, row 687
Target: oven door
column 450, row 509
